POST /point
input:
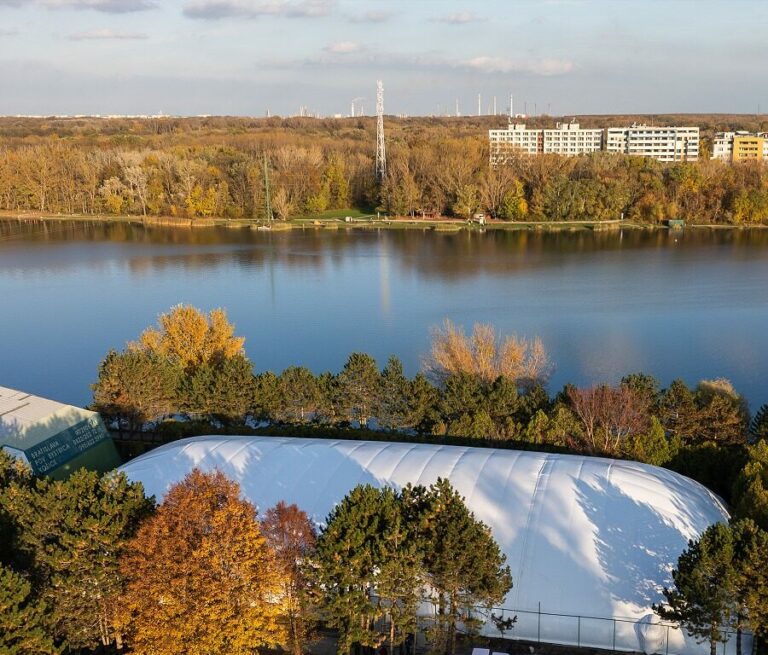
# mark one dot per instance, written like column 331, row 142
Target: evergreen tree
column 72, row 532
column 266, row 396
column 502, row 401
column 12, row 471
column 224, row 391
column 22, row 619
column 753, row 578
column 464, row 566
column 758, row 426
column 393, row 406
column 750, row 492
column 134, row 388
column 298, row 395
column 362, row 533
column 652, row 447
column 358, row 385
column 423, row 405
column 462, row 394
column 702, row 599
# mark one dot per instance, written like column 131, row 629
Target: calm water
column 693, row 305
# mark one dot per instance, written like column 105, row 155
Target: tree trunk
column 392, row 635
column 452, row 626
column 738, row 637
column 712, row 647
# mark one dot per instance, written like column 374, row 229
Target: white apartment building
column 722, row 145
column 566, row 139
column 569, row 139
column 515, row 140
column 665, row 144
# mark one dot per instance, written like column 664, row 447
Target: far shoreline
column 368, row 222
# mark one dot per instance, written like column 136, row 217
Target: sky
column 250, row 57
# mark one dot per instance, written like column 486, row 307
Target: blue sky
column 247, row 56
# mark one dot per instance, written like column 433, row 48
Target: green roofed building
column 55, row 439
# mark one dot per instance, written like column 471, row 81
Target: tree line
column 190, row 375
column 433, row 169
column 91, row 565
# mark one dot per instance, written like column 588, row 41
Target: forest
column 239, row 169
column 201, row 571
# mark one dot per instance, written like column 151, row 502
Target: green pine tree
column 22, row 619
column 73, row 532
column 750, row 492
column 702, row 599
column 393, row 410
column 358, row 388
column 464, row 566
column 758, row 426
column 225, row 390
column 298, row 395
column 365, row 546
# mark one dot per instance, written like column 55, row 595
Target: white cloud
column 107, row 6
column 371, row 17
column 217, row 9
column 6, row 32
column 106, row 34
column 458, row 18
column 504, row 65
column 343, row 48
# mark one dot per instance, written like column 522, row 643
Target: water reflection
column 692, row 304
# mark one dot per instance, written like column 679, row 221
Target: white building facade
column 666, row 144
column 722, row 144
column 570, row 139
column 567, row 139
column 515, row 140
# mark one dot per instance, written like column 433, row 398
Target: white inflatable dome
column 590, row 541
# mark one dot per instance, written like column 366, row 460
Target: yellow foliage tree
column 189, row 338
column 486, row 355
column 201, row 579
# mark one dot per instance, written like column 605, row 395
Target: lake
column 691, row 304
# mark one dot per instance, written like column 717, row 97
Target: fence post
column 614, row 634
column 667, row 647
column 578, row 636
column 538, row 627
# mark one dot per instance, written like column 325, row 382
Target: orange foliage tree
column 292, row 537
column 201, row 579
column 486, row 355
column 188, row 337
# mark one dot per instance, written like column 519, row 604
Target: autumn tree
column 201, row 579
column 486, row 355
column 189, row 338
column 291, row 536
column 72, row 533
column 23, row 625
column 608, row 416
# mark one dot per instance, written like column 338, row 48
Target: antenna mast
column 381, row 154
column 267, row 199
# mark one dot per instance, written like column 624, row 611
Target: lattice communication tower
column 381, row 153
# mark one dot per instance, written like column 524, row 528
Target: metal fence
column 609, row 633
